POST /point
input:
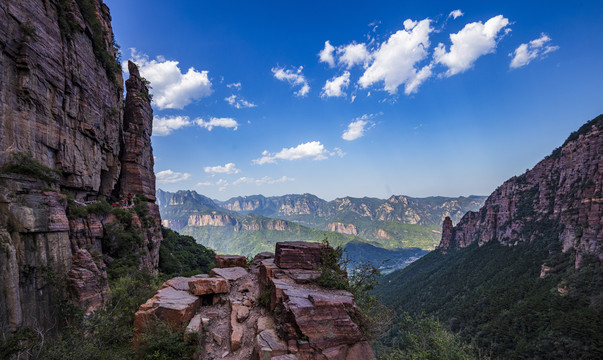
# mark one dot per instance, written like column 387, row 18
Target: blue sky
column 416, row 98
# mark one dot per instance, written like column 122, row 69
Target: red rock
column 298, row 255
column 269, row 345
column 230, row 273
column 211, row 285
column 194, row 327
column 226, row 261
column 267, row 270
column 302, row 276
column 86, row 281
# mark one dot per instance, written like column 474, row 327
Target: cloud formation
column 163, row 126
column 455, row 13
column 326, row 54
column 169, row 176
column 293, row 77
column 353, row 54
column 536, row 48
column 229, row 168
column 218, row 122
column 358, row 127
column 263, row 181
column 171, row 88
column 335, row 86
column 312, row 149
column 238, row 102
column 470, row 43
column 394, row 62
column 236, row 86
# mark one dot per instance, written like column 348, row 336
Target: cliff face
column 342, row 228
column 63, row 131
column 561, row 197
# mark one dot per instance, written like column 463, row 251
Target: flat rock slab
column 285, row 357
column 268, row 345
column 298, row 255
column 195, row 326
column 226, row 261
column 230, row 274
column 302, row 276
column 210, row 285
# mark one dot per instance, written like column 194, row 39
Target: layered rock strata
column 560, row 198
column 62, row 116
column 311, row 322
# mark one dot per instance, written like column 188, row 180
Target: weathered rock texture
column 312, row 323
column 63, row 105
column 561, row 197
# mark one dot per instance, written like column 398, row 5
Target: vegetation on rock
column 24, row 164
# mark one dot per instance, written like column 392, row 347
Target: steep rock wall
column 61, row 102
column 561, row 197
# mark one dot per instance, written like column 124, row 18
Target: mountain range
column 251, row 224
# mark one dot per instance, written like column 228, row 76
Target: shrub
column 24, row 164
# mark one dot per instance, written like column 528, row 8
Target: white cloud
column 337, row 151
column 312, row 149
column 353, row 54
column 236, row 85
column 239, row 102
column 229, row 168
column 474, row 40
column 335, row 86
column 169, row 176
column 326, row 54
column 171, row 88
column 455, row 13
column 163, row 126
column 525, row 53
column 357, row 127
column 204, row 183
column 263, row 181
column 293, row 77
column 394, row 62
column 218, row 122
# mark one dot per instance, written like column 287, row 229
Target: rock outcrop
column 301, row 320
column 560, row 198
column 349, row 229
column 66, row 143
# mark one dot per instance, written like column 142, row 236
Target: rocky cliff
column 560, row 198
column 273, row 310
column 68, row 144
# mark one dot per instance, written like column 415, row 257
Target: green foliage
column 163, row 342
column 332, row 267
column 141, row 205
column 422, row 337
column 494, row 298
column 598, row 122
column 24, row 164
column 104, row 334
column 180, row 255
column 264, row 298
column 121, row 244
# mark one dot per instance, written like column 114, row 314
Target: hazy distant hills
column 400, row 228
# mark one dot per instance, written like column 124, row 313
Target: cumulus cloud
column 163, row 126
column 357, row 128
column 335, row 86
column 236, row 86
column 326, row 54
column 263, row 181
column 394, row 62
column 353, row 54
column 229, row 168
column 455, row 13
column 169, row 176
column 171, row 88
column 536, row 48
column 293, row 77
column 238, row 102
column 312, row 149
column 474, row 40
column 218, row 122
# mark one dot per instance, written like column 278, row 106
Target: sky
column 360, row 99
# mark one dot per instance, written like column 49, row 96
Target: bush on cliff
column 180, row 255
column 24, row 164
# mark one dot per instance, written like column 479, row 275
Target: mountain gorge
column 523, row 276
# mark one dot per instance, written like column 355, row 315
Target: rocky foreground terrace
column 229, row 312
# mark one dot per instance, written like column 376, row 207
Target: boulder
column 298, row 255
column 230, row 274
column 210, row 285
column 226, row 261
column 268, row 345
